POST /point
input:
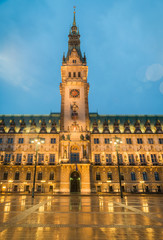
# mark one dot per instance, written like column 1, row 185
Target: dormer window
column 74, row 74
column 74, row 61
column 69, row 74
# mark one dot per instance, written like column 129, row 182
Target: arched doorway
column 74, row 182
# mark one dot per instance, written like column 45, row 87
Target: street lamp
column 37, row 141
column 117, row 142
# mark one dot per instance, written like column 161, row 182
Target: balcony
column 143, row 164
column 155, row 164
column 132, row 164
column 29, row 163
column 51, row 163
column 97, row 163
column 18, row 163
column 109, row 163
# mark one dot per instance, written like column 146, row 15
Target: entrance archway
column 75, row 182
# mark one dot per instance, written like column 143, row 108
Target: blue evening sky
column 123, row 41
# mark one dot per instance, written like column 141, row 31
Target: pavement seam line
column 140, row 212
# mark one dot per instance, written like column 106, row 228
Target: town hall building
column 78, row 150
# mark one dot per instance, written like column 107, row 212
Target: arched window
column 74, row 61
column 157, row 178
column 144, row 176
column 39, row 176
column 74, row 74
column 5, row 176
column 51, row 176
column 28, row 177
column 133, row 176
column 98, row 176
column 17, row 175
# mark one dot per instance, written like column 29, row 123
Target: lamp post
column 117, row 142
column 37, row 141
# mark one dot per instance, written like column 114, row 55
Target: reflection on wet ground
column 81, row 217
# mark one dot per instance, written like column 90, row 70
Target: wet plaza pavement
column 78, row 217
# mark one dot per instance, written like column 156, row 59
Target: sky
column 123, row 42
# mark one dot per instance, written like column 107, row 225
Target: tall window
column 133, row 176
column 131, row 158
column 30, row 158
column 40, row 158
column 10, row 140
column 128, row 141
column 7, row 157
column 107, row 141
column 157, row 178
column 21, row 140
column 0, row 140
column 160, row 140
column 5, row 176
column 153, row 158
column 74, row 74
column 53, row 140
column 69, row 74
column 109, row 175
column 120, row 159
column 96, row 140
column 17, row 175
column 52, row 158
column 139, row 140
column 98, row 176
column 122, row 176
column 28, row 177
column 150, row 140
column 51, row 176
column 108, row 158
column 19, row 158
column 142, row 158
column 79, row 74
column 74, row 61
column 97, row 158
column 145, row 176
column 39, row 177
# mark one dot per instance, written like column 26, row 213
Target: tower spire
column 74, row 22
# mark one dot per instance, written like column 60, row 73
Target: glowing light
column 4, row 187
column 10, row 181
column 43, row 181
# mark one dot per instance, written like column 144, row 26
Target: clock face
column 75, row 93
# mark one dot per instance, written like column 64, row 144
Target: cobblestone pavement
column 81, row 217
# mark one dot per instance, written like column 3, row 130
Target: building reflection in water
column 75, row 203
column 110, row 207
column 145, row 206
column 101, row 203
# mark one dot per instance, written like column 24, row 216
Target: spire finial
column 74, row 22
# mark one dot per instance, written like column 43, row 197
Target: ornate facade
column 77, row 154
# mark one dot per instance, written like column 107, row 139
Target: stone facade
column 78, row 153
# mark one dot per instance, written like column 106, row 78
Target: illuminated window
column 21, row 140
column 128, row 141
column 39, row 176
column 10, row 140
column 145, row 176
column 17, row 175
column 150, row 140
column 51, row 176
column 98, row 176
column 157, row 178
column 107, row 141
column 139, row 140
column 109, row 175
column 5, row 176
column 53, row 140
column 96, row 141
column 133, row 176
column 28, row 177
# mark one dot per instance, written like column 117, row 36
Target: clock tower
column 74, row 87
